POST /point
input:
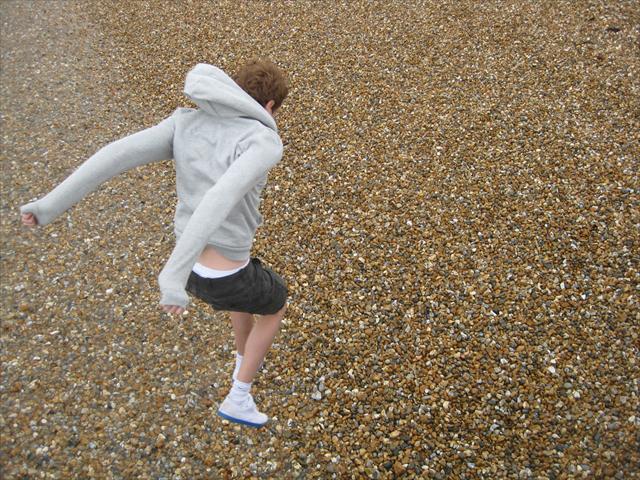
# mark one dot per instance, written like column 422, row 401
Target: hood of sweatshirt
column 216, row 93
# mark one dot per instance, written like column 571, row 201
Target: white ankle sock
column 239, row 391
column 238, row 360
column 237, row 367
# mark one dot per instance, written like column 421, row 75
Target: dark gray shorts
column 254, row 289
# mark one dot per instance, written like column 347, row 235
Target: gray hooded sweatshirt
column 223, row 152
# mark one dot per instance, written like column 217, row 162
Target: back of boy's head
column 264, row 81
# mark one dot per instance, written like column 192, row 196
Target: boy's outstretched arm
column 146, row 146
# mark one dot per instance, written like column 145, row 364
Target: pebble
column 455, row 214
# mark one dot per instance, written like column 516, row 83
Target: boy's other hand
column 173, row 309
column 29, row 219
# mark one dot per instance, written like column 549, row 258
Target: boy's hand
column 29, row 219
column 173, row 309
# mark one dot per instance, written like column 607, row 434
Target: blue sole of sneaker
column 242, row 422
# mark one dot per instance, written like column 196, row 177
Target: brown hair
column 264, row 81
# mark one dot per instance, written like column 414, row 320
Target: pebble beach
column 457, row 215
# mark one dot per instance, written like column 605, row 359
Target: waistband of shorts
column 207, row 272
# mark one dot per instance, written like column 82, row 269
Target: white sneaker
column 244, row 412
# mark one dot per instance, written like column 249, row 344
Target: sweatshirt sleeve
column 257, row 159
column 146, row 146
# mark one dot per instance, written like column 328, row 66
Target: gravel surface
column 457, row 215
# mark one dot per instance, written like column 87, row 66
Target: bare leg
column 242, row 325
column 258, row 343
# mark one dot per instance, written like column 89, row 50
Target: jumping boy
column 223, row 151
